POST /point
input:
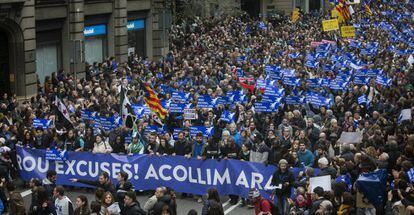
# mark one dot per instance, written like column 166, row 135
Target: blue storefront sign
column 94, row 30
column 136, row 24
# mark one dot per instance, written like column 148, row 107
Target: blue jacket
column 306, row 157
column 237, row 138
column 197, row 149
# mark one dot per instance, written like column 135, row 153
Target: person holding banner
column 101, row 146
column 282, row 180
column 136, row 146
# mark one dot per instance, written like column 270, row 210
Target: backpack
column 273, row 208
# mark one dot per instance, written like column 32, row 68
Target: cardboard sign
column 321, row 181
column 330, row 25
column 348, row 31
column 350, row 137
column 190, row 114
column 295, row 15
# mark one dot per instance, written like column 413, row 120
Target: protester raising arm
column 103, row 182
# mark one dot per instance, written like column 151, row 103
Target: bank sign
column 136, row 24
column 94, row 30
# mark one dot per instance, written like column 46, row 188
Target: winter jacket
column 280, row 178
column 49, row 186
column 134, row 209
column 165, row 200
column 328, row 171
column 206, row 206
column 182, row 147
column 102, row 147
column 259, row 153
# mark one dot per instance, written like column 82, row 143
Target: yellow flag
column 334, row 13
column 295, row 15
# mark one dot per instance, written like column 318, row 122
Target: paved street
column 183, row 205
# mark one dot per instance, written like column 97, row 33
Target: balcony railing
column 50, row 2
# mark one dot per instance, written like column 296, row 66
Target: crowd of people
column 221, row 55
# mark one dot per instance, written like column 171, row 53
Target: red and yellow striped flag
column 153, row 102
column 343, row 10
column 368, row 9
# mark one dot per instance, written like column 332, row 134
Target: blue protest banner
column 292, row 81
column 206, row 131
column 314, row 82
column 360, row 80
column 56, row 155
column 271, row 98
column 338, row 84
column 149, row 172
column 294, row 100
column 240, row 59
column 363, row 100
column 180, row 97
column 205, row 101
column 140, row 110
column 178, row 107
column 373, row 185
column 234, row 97
column 287, row 72
column 228, row 117
column 108, row 123
column 384, row 81
column 239, row 72
column 266, row 106
column 294, row 55
column 88, row 115
column 312, row 64
column 42, row 123
column 274, row 91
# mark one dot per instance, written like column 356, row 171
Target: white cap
column 2, row 140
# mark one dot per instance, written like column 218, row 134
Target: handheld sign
column 348, row 31
column 190, row 114
column 330, row 25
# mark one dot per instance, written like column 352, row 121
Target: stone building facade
column 38, row 37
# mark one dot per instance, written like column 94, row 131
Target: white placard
column 190, row 113
column 350, row 137
column 321, row 181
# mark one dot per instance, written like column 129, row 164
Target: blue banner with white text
column 148, row 172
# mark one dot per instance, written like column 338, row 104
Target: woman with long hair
column 212, row 203
column 108, row 202
column 82, row 206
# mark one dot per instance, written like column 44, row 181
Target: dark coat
column 134, row 209
column 282, row 178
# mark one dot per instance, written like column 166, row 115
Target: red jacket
column 262, row 205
